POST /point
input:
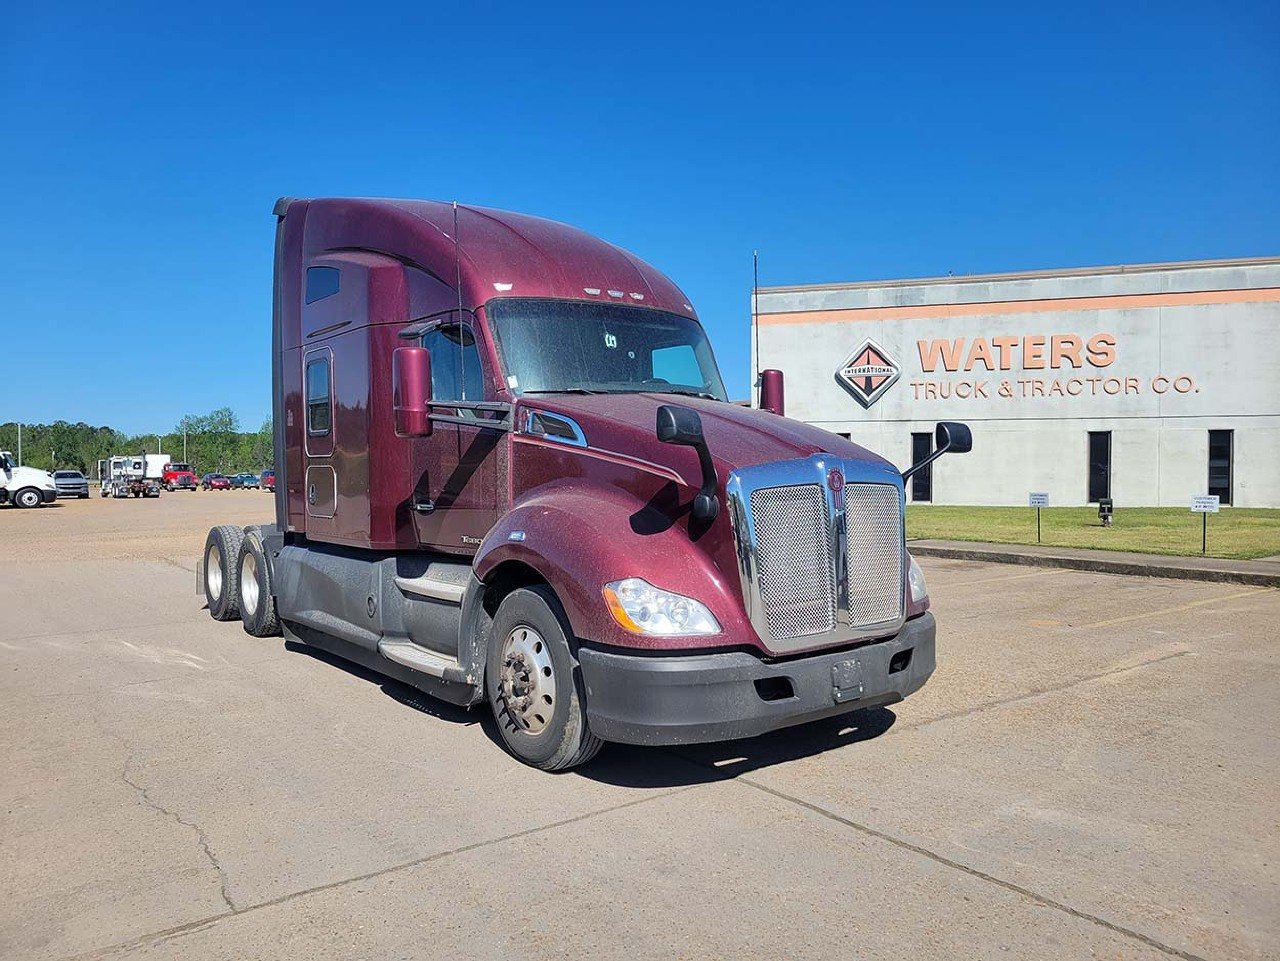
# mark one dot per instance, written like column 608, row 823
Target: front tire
column 222, row 572
column 531, row 679
column 28, row 497
column 257, row 603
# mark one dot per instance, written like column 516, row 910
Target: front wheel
column 531, row 682
column 28, row 497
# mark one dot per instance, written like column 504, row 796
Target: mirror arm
column 919, row 465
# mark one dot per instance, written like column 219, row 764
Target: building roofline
column 1029, row 275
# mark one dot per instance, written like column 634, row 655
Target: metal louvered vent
column 873, row 525
column 793, row 548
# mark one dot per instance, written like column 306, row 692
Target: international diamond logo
column 868, row 373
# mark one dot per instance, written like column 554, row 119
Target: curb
column 1156, row 568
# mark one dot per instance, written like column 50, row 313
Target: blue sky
column 143, row 146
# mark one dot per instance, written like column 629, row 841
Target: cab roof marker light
column 637, row 296
column 615, row 293
column 502, row 287
column 593, row 291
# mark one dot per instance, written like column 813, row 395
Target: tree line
column 215, row 442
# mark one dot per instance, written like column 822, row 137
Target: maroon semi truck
column 508, row 472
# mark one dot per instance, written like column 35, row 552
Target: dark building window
column 922, row 480
column 1099, row 465
column 322, row 282
column 1221, row 443
column 319, row 405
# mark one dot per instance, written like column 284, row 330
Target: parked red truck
column 508, row 472
column 179, row 477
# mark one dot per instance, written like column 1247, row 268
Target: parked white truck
column 136, row 476
column 24, row 486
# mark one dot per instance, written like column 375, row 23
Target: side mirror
column 772, row 394
column 954, row 438
column 683, row 426
column 411, row 391
column 949, row 437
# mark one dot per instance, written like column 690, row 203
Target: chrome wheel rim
column 526, row 684
column 249, row 583
column 213, row 571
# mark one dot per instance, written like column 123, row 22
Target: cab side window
column 456, row 373
column 319, row 403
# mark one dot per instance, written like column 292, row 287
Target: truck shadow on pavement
column 625, row 765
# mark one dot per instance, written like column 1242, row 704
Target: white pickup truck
column 24, row 486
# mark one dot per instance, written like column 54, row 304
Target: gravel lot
column 1093, row 771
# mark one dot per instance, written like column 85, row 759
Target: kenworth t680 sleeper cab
column 508, row 472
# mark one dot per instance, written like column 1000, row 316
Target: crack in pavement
column 972, row 872
column 168, row 934
column 201, row 837
column 1041, row 691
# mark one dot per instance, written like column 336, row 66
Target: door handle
column 424, row 507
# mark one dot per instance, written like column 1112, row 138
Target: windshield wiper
column 686, row 392
column 564, row 390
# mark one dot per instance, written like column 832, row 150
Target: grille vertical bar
column 793, row 547
column 873, row 525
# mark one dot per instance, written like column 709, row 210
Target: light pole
column 19, row 442
column 184, row 444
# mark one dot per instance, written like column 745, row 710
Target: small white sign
column 1204, row 504
column 1038, row 499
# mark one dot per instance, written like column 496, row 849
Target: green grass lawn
column 1234, row 532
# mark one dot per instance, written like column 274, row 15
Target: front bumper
column 638, row 699
column 80, row 491
column 49, row 496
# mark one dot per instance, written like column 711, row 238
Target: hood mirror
column 682, row 426
column 949, row 437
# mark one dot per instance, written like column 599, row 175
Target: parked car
column 269, row 479
column 245, row 480
column 215, row 482
column 71, row 483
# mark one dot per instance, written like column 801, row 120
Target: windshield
column 179, row 467
column 551, row 346
column 68, row 475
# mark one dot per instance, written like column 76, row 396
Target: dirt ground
column 1092, row 772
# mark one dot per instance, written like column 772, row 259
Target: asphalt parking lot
column 1093, row 772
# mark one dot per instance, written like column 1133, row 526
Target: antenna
column 459, row 379
column 755, row 323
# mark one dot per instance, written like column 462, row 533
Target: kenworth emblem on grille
column 868, row 373
column 835, row 483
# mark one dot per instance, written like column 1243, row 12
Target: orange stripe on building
column 938, row 311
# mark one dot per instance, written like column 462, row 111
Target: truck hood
column 27, row 477
column 737, row 436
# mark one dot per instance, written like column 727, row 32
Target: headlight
column 915, row 577
column 644, row 609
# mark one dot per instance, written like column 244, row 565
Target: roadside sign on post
column 1038, row 499
column 1204, row 505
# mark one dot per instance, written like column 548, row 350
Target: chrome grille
column 873, row 526
column 793, row 550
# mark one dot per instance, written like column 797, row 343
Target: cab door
column 455, row 497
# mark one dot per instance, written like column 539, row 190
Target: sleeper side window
column 456, row 373
column 319, row 402
column 322, row 282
